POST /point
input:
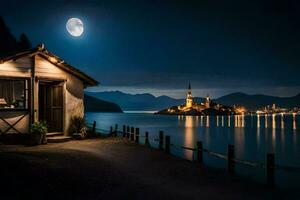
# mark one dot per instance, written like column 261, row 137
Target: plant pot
column 77, row 136
column 36, row 139
column 44, row 139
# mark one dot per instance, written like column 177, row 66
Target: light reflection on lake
column 252, row 135
column 189, row 136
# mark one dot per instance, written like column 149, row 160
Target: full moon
column 75, row 27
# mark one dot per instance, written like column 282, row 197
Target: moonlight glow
column 75, row 27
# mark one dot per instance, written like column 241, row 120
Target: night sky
column 159, row 46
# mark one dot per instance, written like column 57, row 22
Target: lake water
column 253, row 137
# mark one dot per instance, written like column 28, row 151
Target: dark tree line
column 9, row 43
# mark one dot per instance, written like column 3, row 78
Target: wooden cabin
column 36, row 85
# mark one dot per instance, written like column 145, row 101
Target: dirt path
column 113, row 168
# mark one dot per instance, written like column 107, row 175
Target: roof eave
column 89, row 81
column 40, row 49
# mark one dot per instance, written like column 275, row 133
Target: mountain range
column 93, row 104
column 146, row 101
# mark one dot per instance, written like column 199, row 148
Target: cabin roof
column 44, row 53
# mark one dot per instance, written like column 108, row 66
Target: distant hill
column 92, row 104
column 137, row 101
column 149, row 102
column 259, row 100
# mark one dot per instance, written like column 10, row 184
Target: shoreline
column 116, row 168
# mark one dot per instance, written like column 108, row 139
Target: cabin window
column 13, row 94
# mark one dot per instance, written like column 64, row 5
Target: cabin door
column 51, row 105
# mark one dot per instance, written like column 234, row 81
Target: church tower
column 207, row 102
column 189, row 98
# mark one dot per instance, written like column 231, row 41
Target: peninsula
column 208, row 107
column 92, row 104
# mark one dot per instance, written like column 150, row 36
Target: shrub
column 78, row 126
column 39, row 127
column 38, row 130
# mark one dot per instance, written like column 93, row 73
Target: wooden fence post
column 94, row 128
column 199, row 152
column 124, row 131
column 147, row 138
column 270, row 169
column 132, row 134
column 137, row 135
column 116, row 129
column 161, row 140
column 230, row 157
column 111, row 130
column 167, row 143
column 127, row 132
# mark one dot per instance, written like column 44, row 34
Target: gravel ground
column 113, row 168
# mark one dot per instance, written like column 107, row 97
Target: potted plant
column 38, row 133
column 78, row 127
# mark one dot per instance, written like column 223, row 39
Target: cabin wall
column 17, row 68
column 74, row 99
column 13, row 116
column 44, row 68
column 73, row 89
column 20, row 68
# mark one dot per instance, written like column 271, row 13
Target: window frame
column 27, row 93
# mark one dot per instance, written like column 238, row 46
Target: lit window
column 13, row 94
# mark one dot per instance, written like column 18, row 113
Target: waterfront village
column 209, row 107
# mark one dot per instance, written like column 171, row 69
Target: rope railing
column 185, row 148
column 249, row 163
column 102, row 130
column 165, row 144
column 177, row 147
column 223, row 156
column 215, row 154
column 96, row 130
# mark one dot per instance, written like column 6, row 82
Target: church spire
column 189, row 98
column 189, row 89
